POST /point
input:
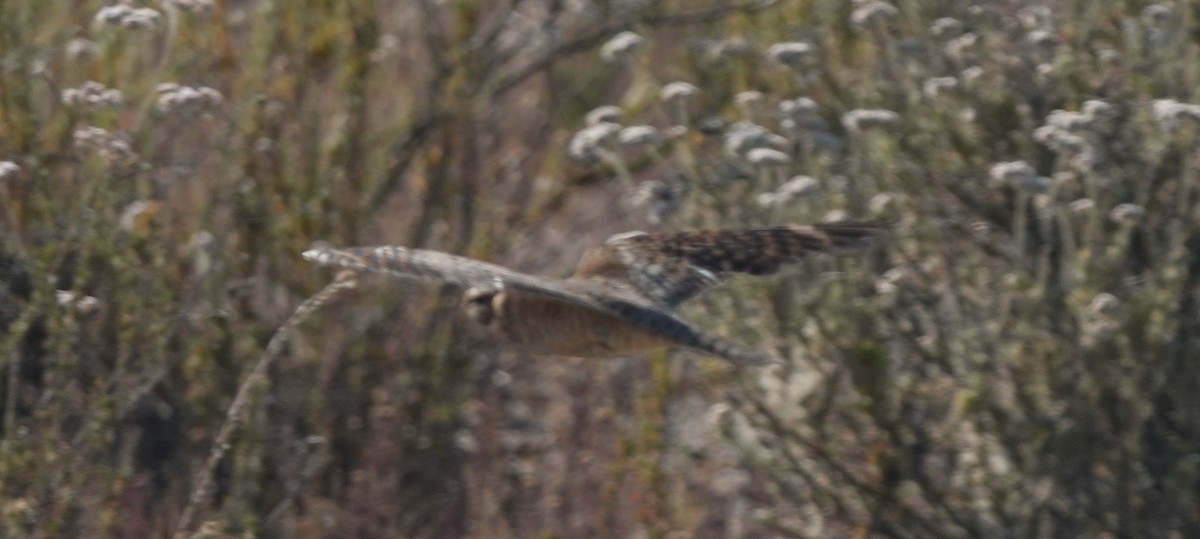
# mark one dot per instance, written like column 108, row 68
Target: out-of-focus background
column 1019, row 358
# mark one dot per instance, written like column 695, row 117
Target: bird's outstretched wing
column 672, row 268
column 418, row 264
column 467, row 273
column 446, row 268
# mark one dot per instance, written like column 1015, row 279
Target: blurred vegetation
column 1021, row 358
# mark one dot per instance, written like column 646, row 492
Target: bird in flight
column 622, row 297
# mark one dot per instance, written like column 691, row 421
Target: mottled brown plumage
column 620, row 299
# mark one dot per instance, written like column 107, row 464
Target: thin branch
column 203, row 492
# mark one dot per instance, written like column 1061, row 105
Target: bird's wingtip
column 313, row 255
column 317, row 252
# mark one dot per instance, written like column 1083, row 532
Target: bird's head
column 481, row 304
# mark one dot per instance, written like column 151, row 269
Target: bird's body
column 622, row 296
column 566, row 329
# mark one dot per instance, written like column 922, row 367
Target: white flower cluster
column 1168, row 113
column 128, row 17
column 796, row 55
column 859, row 120
column 873, row 13
column 590, row 143
column 80, row 304
column 961, row 47
column 767, row 157
column 8, row 171
column 1075, row 135
column 936, row 86
column 108, row 145
column 1127, row 214
column 1061, row 140
column 744, row 137
column 621, row 47
column 676, row 96
column 797, row 187
column 1095, row 117
column 800, row 114
column 82, row 49
column 637, row 137
column 1021, row 175
column 1102, row 318
column 603, row 134
column 604, row 114
column 186, row 101
column 946, row 27
column 92, row 96
column 800, row 118
column 678, row 90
